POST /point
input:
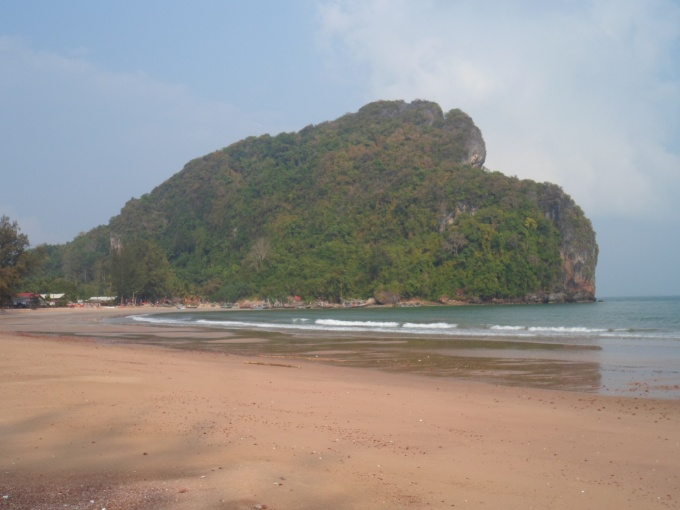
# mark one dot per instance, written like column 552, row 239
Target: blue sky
column 102, row 101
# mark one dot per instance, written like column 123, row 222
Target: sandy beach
column 89, row 424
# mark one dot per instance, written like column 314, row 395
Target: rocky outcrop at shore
column 578, row 249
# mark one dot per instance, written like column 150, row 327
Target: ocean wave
column 297, row 326
column 643, row 334
column 563, row 329
column 361, row 324
column 548, row 329
column 437, row 329
column 155, row 320
column 433, row 325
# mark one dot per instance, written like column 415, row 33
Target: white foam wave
column 390, row 327
column 549, row 329
column 364, row 324
column 297, row 326
column 433, row 325
column 562, row 329
column 154, row 320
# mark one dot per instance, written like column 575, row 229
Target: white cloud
column 585, row 94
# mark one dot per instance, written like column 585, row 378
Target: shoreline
column 532, row 362
column 134, row 426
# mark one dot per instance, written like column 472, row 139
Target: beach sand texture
column 88, row 424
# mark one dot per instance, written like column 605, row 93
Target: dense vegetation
column 387, row 199
column 16, row 260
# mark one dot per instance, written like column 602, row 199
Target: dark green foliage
column 391, row 199
column 16, row 260
column 140, row 270
column 79, row 268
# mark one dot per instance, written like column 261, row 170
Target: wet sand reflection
column 512, row 363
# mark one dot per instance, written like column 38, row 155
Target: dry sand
column 88, row 424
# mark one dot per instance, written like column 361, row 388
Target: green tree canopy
column 140, row 269
column 16, row 260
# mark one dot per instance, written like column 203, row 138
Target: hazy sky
column 102, row 101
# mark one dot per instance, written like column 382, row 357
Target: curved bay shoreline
column 138, row 426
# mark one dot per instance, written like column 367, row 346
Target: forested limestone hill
column 391, row 199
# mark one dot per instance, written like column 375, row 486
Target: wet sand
column 89, row 423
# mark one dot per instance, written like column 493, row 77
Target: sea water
column 614, row 346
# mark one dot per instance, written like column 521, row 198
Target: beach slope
column 89, row 424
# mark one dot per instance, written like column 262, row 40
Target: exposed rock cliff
column 578, row 249
column 458, row 125
column 462, row 127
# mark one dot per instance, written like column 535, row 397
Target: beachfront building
column 28, row 300
column 52, row 298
